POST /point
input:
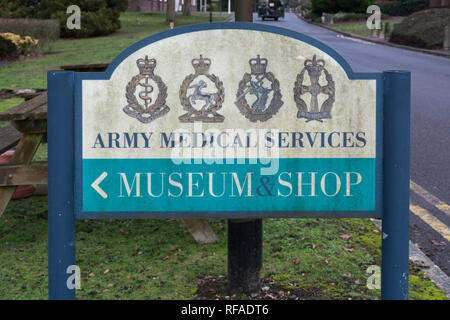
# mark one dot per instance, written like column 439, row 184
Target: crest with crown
column 314, row 66
column 146, row 66
column 258, row 66
column 201, row 65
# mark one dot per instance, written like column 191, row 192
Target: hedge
column 423, row 29
column 98, row 17
column 46, row 30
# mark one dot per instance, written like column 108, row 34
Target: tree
column 170, row 14
column 187, row 8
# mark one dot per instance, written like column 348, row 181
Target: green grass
column 31, row 73
column 6, row 104
column 158, row 259
column 359, row 29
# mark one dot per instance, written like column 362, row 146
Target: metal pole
column 244, row 10
column 245, row 237
column 446, row 45
column 396, row 147
column 61, row 219
column 229, row 6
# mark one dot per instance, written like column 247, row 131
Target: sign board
column 228, row 122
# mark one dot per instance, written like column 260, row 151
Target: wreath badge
column 202, row 94
column 315, row 68
column 141, row 106
column 262, row 85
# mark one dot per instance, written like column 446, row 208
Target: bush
column 402, row 7
column 423, row 29
column 333, row 6
column 7, row 47
column 46, row 30
column 12, row 44
column 98, row 17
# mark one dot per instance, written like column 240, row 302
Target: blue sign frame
column 392, row 164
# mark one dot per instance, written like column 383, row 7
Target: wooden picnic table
column 28, row 126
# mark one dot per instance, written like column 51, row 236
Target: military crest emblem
column 320, row 83
column 202, row 94
column 259, row 96
column 150, row 101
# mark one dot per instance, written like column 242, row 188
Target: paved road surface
column 430, row 128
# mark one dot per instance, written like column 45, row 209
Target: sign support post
column 245, row 237
column 61, row 218
column 396, row 147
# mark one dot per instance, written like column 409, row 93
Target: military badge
column 202, row 94
column 315, row 68
column 141, row 106
column 261, row 89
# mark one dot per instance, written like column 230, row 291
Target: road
column 430, row 128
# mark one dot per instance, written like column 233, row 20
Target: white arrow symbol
column 97, row 188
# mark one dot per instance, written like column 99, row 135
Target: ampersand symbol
column 264, row 181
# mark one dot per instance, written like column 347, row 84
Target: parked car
column 270, row 9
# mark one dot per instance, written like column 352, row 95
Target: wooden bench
column 28, row 127
column 9, row 137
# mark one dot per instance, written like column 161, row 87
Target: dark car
column 270, row 9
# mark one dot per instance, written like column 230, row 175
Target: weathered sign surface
column 236, row 120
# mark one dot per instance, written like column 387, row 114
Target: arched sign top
column 257, row 105
column 232, row 26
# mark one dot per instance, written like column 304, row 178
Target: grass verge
column 358, row 29
column 32, row 73
column 158, row 259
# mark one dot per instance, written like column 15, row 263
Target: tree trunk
column 187, row 8
column 170, row 14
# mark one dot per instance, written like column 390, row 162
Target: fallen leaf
column 110, row 285
column 106, row 271
column 357, row 282
column 376, row 231
column 345, row 237
column 349, row 249
column 437, row 243
column 296, row 261
column 124, row 232
column 165, row 258
column 326, row 261
column 91, row 275
column 313, row 246
column 106, row 290
column 177, row 261
column 175, row 277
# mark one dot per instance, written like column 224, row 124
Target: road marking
column 354, row 39
column 433, row 200
column 431, row 220
column 97, row 188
